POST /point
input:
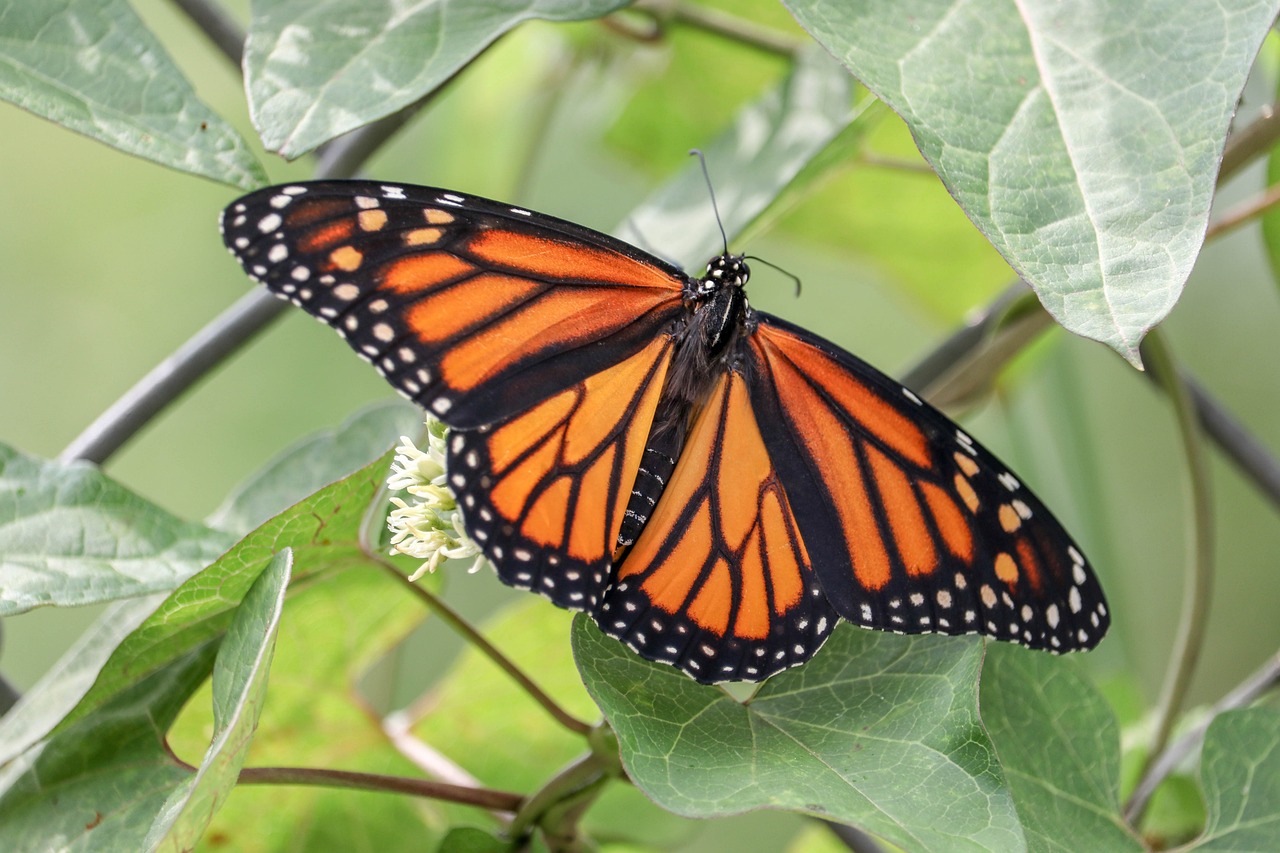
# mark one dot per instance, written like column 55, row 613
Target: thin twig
column 1259, row 682
column 1243, row 213
column 898, row 164
column 219, row 27
column 1198, row 587
column 455, row 621
column 724, row 24
column 1254, row 461
column 165, row 382
column 1253, row 140
column 485, row 798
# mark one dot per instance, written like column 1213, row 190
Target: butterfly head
column 725, row 270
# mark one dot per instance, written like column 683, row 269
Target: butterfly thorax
column 724, row 301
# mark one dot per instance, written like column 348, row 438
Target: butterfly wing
column 543, row 493
column 719, row 582
column 912, row 526
column 473, row 309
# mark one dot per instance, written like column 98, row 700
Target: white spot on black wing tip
column 269, row 223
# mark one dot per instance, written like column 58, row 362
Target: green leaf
column 65, row 684
column 239, row 689
column 1082, row 138
column 1059, row 746
column 93, row 67
column 323, row 532
column 69, row 535
column 98, row 784
column 468, row 839
column 878, row 730
column 315, row 70
column 319, row 713
column 769, row 144
column 1240, row 769
column 316, row 461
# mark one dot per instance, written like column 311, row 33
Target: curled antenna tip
column 787, row 273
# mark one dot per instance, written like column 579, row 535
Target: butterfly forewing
column 912, row 525
column 467, row 306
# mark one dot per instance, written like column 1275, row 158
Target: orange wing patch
column 719, row 581
column 552, row 483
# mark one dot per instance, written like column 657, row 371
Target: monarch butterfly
column 713, row 485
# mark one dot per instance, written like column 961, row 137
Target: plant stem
column 1243, row 213
column 1198, row 585
column 557, row 804
column 219, row 27
column 1249, row 142
column 165, row 382
column 1259, row 682
column 486, row 798
column 721, row 23
column 454, row 620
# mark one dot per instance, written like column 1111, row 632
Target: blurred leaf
column 1175, row 814
column 93, row 67
column 854, row 735
column 1083, row 139
column 468, row 839
column 661, row 115
column 1059, row 746
column 476, row 704
column 65, row 684
column 239, row 689
column 1240, row 769
column 316, row 461
column 334, row 628
column 315, row 70
column 322, row 530
column 770, row 142
column 69, row 535
column 97, row 784
column 893, row 211
column 1271, row 216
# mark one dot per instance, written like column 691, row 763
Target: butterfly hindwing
column 543, row 493
column 912, row 525
column 718, row 582
column 472, row 309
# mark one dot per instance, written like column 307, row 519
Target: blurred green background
column 110, row 263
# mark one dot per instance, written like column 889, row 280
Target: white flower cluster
column 430, row 526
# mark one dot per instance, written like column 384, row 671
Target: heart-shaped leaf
column 69, row 535
column 1082, row 138
column 92, row 66
column 315, row 70
column 853, row 735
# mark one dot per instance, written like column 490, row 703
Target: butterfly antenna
column 711, row 191
column 787, row 273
